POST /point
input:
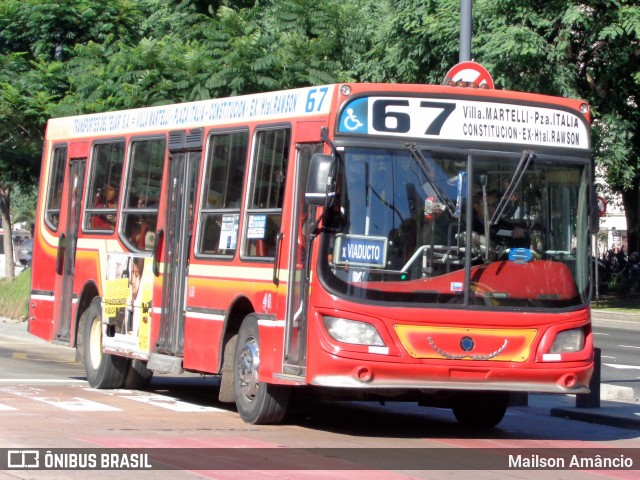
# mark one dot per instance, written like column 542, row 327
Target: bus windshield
column 485, row 229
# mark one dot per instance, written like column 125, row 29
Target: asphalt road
column 620, row 355
column 45, row 403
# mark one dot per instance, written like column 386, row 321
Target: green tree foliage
column 188, row 52
column 23, row 205
column 81, row 56
column 612, row 73
column 282, row 46
column 588, row 50
column 580, row 49
column 24, row 104
column 407, row 41
column 36, row 40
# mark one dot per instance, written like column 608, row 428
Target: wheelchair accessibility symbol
column 355, row 117
column 351, row 121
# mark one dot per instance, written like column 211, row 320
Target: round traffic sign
column 469, row 72
column 602, row 206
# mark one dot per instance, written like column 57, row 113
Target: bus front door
column 295, row 345
column 183, row 169
column 65, row 263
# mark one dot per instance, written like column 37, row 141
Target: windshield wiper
column 431, row 177
column 523, row 165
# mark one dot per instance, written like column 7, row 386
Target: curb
column 597, row 416
column 626, row 321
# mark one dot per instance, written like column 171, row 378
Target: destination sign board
column 360, row 250
column 467, row 120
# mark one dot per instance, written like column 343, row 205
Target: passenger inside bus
column 142, row 234
column 108, row 201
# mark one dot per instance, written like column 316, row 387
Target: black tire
column 258, row 403
column 480, row 409
column 138, row 375
column 103, row 370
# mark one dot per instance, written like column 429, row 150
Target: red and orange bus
column 408, row 242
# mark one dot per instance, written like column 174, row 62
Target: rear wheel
column 257, row 402
column 103, row 370
column 481, row 409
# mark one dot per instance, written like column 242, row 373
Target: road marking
column 607, row 356
column 77, row 404
column 622, row 367
column 170, row 403
column 162, row 401
column 628, row 346
column 22, row 381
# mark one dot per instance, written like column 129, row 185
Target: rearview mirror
column 320, row 186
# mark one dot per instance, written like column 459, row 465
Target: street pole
column 466, row 30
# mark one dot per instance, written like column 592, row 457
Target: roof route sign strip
column 470, row 72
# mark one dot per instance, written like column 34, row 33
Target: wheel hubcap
column 95, row 343
column 248, row 368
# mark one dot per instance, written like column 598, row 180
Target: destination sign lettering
column 360, row 250
column 465, row 120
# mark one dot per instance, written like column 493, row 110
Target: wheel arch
column 240, row 308
column 89, row 292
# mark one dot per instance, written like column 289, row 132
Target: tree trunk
column 5, row 210
column 631, row 202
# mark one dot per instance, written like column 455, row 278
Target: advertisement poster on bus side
column 126, row 304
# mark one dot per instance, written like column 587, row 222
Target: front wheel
column 481, row 409
column 257, row 402
column 103, row 370
column 138, row 375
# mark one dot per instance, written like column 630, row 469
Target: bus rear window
column 56, row 182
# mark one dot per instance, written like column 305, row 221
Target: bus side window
column 224, row 178
column 143, row 185
column 56, row 183
column 264, row 213
column 104, row 187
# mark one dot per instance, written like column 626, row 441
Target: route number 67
column 383, row 116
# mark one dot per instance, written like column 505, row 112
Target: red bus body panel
column 422, row 344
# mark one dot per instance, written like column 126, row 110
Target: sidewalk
column 606, row 318
column 624, row 413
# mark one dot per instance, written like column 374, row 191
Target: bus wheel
column 138, row 375
column 103, row 370
column 480, row 409
column 258, row 403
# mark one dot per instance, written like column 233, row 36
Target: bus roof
column 311, row 101
column 485, row 111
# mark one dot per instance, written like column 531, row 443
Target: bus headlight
column 568, row 341
column 351, row 331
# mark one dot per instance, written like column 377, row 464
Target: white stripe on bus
column 205, row 316
column 271, row 323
